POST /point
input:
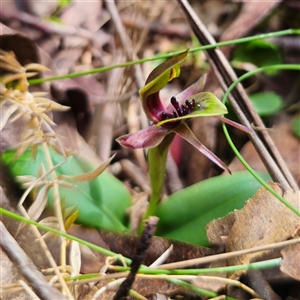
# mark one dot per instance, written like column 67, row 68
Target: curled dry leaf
column 91, row 260
column 263, row 220
column 75, row 258
column 218, row 229
column 39, row 203
column 290, row 261
column 90, row 175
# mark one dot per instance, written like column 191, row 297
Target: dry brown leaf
column 90, row 175
column 126, row 245
column 39, row 204
column 148, row 287
column 218, row 230
column 92, row 261
column 81, row 10
column 290, row 264
column 263, row 220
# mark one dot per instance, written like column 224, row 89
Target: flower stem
column 157, row 158
column 272, row 263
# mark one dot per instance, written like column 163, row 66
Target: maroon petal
column 234, row 124
column 149, row 137
column 193, row 89
column 153, row 107
column 185, row 132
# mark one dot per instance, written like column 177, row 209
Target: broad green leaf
column 266, row 103
column 184, row 215
column 259, row 52
column 296, row 126
column 209, row 105
column 101, row 202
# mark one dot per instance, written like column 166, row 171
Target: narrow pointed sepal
column 193, row 89
column 186, row 133
column 234, row 124
column 149, row 137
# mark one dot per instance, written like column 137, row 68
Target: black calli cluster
column 180, row 110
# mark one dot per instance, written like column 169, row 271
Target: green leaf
column 259, row 52
column 184, row 215
column 266, row 103
column 296, row 126
column 102, row 202
column 65, row 2
column 209, row 105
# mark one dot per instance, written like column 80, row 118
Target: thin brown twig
column 140, row 255
column 126, row 42
column 106, row 114
column 35, row 278
column 223, row 256
column 241, row 103
column 49, row 27
column 127, row 46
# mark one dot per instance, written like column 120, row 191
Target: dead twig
column 138, row 74
column 50, row 27
column 227, row 255
column 35, row 278
column 241, row 103
column 140, row 255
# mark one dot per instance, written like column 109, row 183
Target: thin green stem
column 157, row 158
column 239, row 156
column 63, row 234
column 167, row 55
column 143, row 270
column 256, row 176
column 267, row 264
column 196, row 289
column 259, row 70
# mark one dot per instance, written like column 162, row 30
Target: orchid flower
column 190, row 103
column 170, row 120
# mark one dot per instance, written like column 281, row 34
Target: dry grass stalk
column 18, row 102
